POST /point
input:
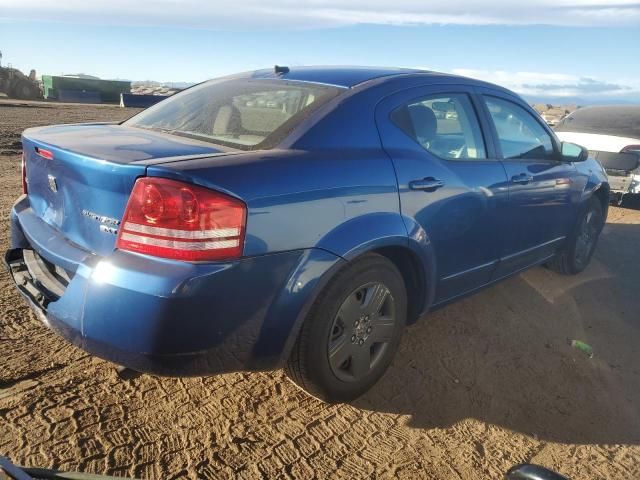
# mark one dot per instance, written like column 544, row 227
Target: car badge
column 107, row 224
column 52, row 183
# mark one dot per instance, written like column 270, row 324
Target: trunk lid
column 83, row 189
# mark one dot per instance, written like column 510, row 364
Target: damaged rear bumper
column 163, row 316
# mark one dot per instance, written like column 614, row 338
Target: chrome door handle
column 428, row 184
column 522, row 178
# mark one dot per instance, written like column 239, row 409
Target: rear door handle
column 428, row 184
column 522, row 178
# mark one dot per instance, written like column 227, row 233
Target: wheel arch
column 381, row 233
column 401, row 241
column 602, row 192
column 408, row 263
column 596, row 187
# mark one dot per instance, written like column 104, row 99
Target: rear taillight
column 172, row 219
column 24, row 174
column 631, row 149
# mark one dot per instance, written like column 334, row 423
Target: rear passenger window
column 445, row 125
column 520, row 135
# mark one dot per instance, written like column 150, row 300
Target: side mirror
column 573, row 153
column 527, row 471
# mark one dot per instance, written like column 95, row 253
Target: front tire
column 351, row 332
column 581, row 244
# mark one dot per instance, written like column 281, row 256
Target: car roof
column 339, row 76
column 350, row 76
column 607, row 109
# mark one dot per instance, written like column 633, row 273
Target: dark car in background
column 293, row 217
column 611, row 133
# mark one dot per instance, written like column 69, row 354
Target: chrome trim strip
column 180, row 245
column 531, row 249
column 470, row 270
column 187, row 234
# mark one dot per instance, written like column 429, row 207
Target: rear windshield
column 619, row 121
column 238, row 113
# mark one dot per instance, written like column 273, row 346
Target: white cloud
column 557, row 85
column 318, row 13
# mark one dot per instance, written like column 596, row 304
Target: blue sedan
column 295, row 218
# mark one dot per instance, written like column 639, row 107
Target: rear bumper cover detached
column 167, row 317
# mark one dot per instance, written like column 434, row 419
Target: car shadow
column 631, row 202
column 503, row 356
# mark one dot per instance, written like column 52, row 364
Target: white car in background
column 612, row 135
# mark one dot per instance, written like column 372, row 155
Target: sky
column 555, row 51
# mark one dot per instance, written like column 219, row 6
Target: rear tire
column 580, row 245
column 351, row 332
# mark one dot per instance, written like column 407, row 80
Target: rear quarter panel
column 331, row 198
column 329, row 186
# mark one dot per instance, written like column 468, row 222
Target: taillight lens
column 172, row 219
column 24, row 174
column 631, row 149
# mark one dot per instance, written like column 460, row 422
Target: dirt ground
column 476, row 387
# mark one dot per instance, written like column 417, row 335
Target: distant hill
column 531, row 99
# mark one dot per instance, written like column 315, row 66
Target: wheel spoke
column 360, row 361
column 586, row 238
column 589, row 217
column 375, row 298
column 382, row 330
column 363, row 324
column 340, row 351
column 351, row 309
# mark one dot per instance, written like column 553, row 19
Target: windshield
column 238, row 113
column 619, row 121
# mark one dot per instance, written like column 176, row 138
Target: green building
column 83, row 88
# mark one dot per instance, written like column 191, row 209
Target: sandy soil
column 476, row 387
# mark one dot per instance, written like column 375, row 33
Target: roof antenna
column 280, row 69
